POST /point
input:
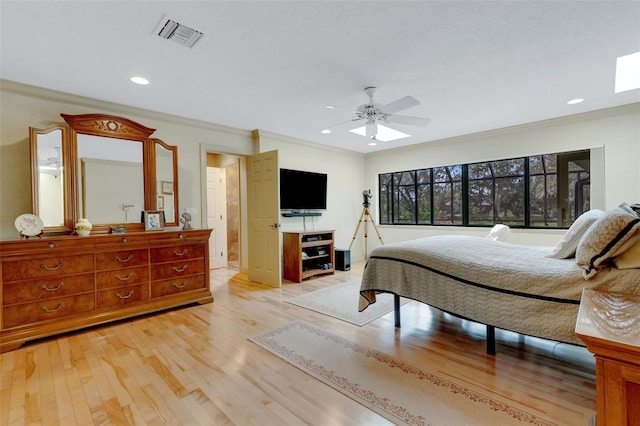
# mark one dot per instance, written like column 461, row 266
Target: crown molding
column 121, row 109
column 632, row 108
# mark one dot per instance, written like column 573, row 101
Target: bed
column 512, row 287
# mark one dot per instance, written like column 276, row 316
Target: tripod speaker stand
column 365, row 217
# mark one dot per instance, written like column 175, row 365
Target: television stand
column 306, row 254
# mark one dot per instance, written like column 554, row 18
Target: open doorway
column 223, row 210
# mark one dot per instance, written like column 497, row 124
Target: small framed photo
column 167, row 187
column 153, row 220
column 160, row 203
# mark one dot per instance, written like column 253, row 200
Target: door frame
column 243, row 240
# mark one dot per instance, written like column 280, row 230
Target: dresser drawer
column 46, row 267
column 177, row 285
column 46, row 288
column 46, row 246
column 175, row 253
column 51, row 309
column 182, row 237
column 176, row 269
column 122, row 277
column 123, row 296
column 120, row 241
column 121, row 259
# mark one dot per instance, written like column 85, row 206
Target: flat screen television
column 301, row 190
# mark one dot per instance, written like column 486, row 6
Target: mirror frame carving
column 109, row 126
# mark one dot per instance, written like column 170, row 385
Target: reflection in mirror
column 49, row 176
column 111, row 185
column 166, row 181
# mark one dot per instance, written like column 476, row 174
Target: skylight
column 385, row 134
column 628, row 72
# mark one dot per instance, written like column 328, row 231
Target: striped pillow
column 606, row 238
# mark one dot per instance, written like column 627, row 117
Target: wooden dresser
column 609, row 324
column 56, row 284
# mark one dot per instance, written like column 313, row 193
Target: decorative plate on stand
column 29, row 225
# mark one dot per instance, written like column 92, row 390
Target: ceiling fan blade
column 400, row 104
column 372, row 129
column 340, row 108
column 353, row 120
column 405, row 119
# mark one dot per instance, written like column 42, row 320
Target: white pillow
column 499, row 232
column 606, row 238
column 567, row 246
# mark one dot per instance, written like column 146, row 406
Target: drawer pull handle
column 182, row 253
column 52, row 245
column 128, row 258
column 176, row 285
column 128, row 277
column 181, row 236
column 50, row 311
column 125, row 297
column 180, row 269
column 51, row 268
column 124, row 240
column 45, row 288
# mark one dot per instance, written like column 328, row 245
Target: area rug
column 341, row 301
column 399, row 392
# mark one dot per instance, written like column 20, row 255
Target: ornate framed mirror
column 165, row 184
column 112, row 171
column 50, row 181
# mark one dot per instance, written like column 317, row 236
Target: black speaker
column 343, row 260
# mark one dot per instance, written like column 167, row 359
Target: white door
column 217, row 216
column 263, row 218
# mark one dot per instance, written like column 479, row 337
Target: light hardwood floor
column 195, row 366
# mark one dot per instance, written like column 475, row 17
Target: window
column 447, row 195
column 539, row 191
column 496, row 192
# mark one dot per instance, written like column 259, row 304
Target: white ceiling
column 474, row 65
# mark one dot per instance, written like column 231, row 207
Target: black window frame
column 427, row 215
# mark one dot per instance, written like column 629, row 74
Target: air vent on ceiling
column 181, row 34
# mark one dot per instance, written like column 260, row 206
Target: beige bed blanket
column 512, row 287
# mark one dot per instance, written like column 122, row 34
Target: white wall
column 616, row 131
column 345, row 182
column 25, row 106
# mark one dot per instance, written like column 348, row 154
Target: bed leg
column 491, row 340
column 396, row 309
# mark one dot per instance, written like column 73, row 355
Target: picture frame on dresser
column 153, row 220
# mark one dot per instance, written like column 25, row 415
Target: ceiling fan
column 373, row 113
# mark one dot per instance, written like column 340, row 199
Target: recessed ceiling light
column 628, row 72
column 329, row 106
column 139, row 80
column 373, row 142
column 325, row 131
column 384, row 134
column 575, row 101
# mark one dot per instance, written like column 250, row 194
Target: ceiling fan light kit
column 375, row 113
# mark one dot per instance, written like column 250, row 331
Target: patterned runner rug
column 341, row 301
column 399, row 392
